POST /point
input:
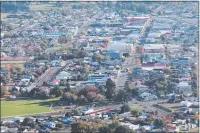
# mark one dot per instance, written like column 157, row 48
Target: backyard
column 22, row 107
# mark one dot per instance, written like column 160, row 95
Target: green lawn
column 135, row 107
column 21, row 107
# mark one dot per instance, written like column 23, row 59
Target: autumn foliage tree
column 110, row 89
column 86, row 127
column 4, row 90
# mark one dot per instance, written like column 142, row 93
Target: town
column 107, row 67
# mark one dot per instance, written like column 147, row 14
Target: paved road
column 123, row 77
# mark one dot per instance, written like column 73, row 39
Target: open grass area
column 172, row 106
column 56, row 48
column 22, row 107
column 135, row 107
column 42, row 7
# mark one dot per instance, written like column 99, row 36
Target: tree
column 60, row 125
column 56, row 91
column 123, row 129
column 28, row 122
column 159, row 86
column 102, row 90
column 135, row 110
column 125, row 108
column 105, row 129
column 140, row 49
column 110, row 89
column 171, row 86
column 90, row 88
column 12, row 70
column 121, row 95
column 3, row 79
column 39, row 71
column 110, row 128
column 82, row 54
column 67, row 96
column 91, row 96
column 86, row 127
column 74, row 98
column 86, row 69
column 158, row 123
column 163, row 38
column 45, row 83
column 99, row 98
column 82, row 99
column 42, row 95
column 68, row 114
column 18, row 69
column 167, row 71
column 4, row 90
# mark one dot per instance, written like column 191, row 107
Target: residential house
column 66, row 120
column 63, row 75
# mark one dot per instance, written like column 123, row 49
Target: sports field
column 13, row 63
column 42, row 7
column 22, row 107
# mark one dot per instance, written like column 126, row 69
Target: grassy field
column 172, row 106
column 21, row 107
column 42, row 7
column 136, row 108
column 13, row 63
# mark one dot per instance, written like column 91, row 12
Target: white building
column 184, row 87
